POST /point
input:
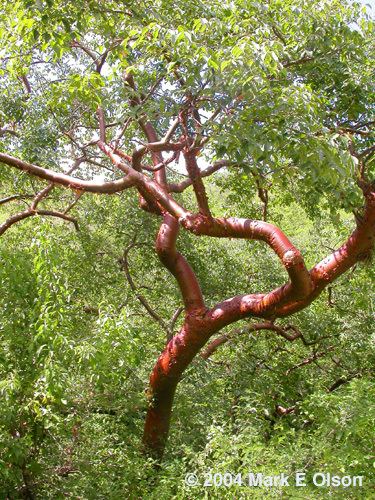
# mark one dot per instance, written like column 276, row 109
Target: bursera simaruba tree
column 259, row 68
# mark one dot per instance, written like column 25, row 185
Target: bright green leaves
column 85, row 88
column 280, row 77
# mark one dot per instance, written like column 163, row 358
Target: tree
column 272, row 101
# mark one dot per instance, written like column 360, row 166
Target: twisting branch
column 283, row 301
column 256, row 327
column 98, row 60
column 177, row 265
column 152, row 190
column 198, row 186
column 257, row 305
column 357, row 247
column 30, row 213
column 162, row 164
column 200, row 323
column 15, row 197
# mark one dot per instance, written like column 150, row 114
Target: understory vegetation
column 76, row 347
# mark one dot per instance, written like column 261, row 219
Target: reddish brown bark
column 67, row 180
column 165, row 376
column 198, row 186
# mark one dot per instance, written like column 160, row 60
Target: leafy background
column 77, row 348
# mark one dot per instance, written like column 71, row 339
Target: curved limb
column 30, row 213
column 177, row 265
column 33, row 210
column 67, row 180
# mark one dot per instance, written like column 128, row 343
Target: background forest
column 86, row 307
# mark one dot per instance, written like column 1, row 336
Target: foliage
column 73, row 382
column 76, row 345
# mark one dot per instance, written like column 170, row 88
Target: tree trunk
column 165, row 376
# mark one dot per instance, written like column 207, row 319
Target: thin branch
column 351, row 130
column 152, row 90
column 122, row 132
column 89, row 52
column 30, row 213
column 196, row 180
column 15, row 197
column 14, row 219
column 74, row 202
column 307, row 361
column 298, row 62
column 281, row 411
column 279, row 35
column 344, row 380
column 60, row 215
column 175, row 317
column 174, row 125
column 255, row 327
column 66, row 180
column 32, row 210
column 102, row 126
column 125, row 266
column 263, row 196
column 367, row 152
column 181, row 186
column 100, row 59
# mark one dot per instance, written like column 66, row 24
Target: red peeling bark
column 177, row 264
column 165, row 376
